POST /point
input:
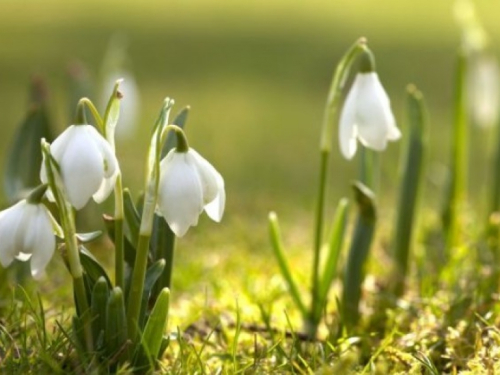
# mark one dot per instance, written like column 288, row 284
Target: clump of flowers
column 81, row 164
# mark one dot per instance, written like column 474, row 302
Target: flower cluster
column 88, row 168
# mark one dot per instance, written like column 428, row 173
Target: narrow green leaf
column 112, row 114
column 93, row 269
column 410, row 177
column 116, row 326
column 89, row 236
column 358, row 254
column 152, row 275
column 278, row 250
column 162, row 247
column 132, row 218
column 129, row 250
column 334, row 247
column 22, row 172
column 457, row 184
column 156, row 324
column 98, row 310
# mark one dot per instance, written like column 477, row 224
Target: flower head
column 366, row 116
column 88, row 165
column 26, row 232
column 188, row 184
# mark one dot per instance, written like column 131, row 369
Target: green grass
column 256, row 76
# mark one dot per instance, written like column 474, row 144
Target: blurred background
column 256, row 75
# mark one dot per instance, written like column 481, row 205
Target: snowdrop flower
column 26, row 232
column 366, row 114
column 188, row 184
column 484, row 90
column 88, row 165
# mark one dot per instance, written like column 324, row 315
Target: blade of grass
column 277, row 246
column 457, row 184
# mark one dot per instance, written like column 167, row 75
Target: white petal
column 208, row 175
column 10, row 220
column 43, row 178
column 180, row 198
column 347, row 125
column 81, row 167
column 215, row 209
column 44, row 244
column 110, row 164
column 107, row 186
column 373, row 113
column 23, row 257
column 61, row 143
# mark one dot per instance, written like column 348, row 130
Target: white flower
column 88, row 165
column 26, row 232
column 188, row 184
column 366, row 116
column 484, row 90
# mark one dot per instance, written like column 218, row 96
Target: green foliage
column 411, row 173
column 358, row 253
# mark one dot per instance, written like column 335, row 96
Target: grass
column 256, row 75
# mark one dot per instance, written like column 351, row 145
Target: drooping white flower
column 88, row 165
column 484, row 90
column 26, row 232
column 188, row 184
column 366, row 116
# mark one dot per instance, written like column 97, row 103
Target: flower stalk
column 68, row 226
column 109, row 123
column 329, row 119
column 457, row 184
column 146, row 226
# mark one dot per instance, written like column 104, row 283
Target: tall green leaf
column 410, row 177
column 358, row 254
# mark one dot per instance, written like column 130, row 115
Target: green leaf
column 162, row 247
column 334, row 247
column 98, row 310
column 112, row 114
column 277, row 246
column 93, row 269
column 153, row 336
column 152, row 275
column 132, row 218
column 116, row 326
column 88, row 237
column 22, row 172
column 129, row 249
column 410, row 177
column 358, row 254
column 457, row 184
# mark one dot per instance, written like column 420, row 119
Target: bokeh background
column 255, row 73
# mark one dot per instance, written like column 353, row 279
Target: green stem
column 458, row 174
column 329, row 119
column 146, row 228
column 137, row 286
column 119, row 252
column 69, row 228
column 318, row 233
